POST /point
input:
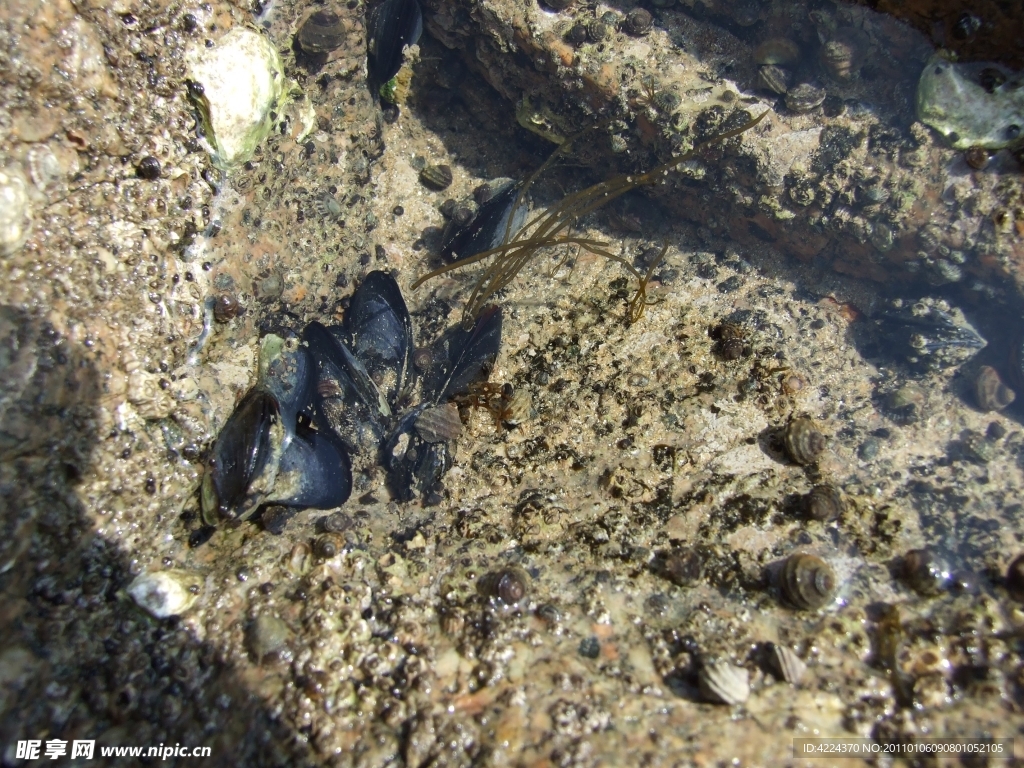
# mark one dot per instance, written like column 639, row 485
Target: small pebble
column 590, row 647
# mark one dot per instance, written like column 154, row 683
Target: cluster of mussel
column 335, row 395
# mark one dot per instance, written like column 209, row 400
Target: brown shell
column 991, row 393
column 327, row 546
column 638, row 22
column 1015, row 578
column 978, row 158
column 807, row 581
column 777, row 50
column 774, row 78
column 439, row 423
column 804, row 442
column 225, row 307
column 436, row 176
column 824, row 502
column 321, row 32
column 805, row 97
column 510, row 585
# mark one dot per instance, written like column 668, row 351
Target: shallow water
column 648, row 500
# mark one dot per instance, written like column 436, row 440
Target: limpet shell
column 321, row 32
column 723, row 683
column 807, row 581
column 774, row 78
column 165, row 593
column 777, row 50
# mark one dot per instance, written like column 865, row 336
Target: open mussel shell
column 380, row 333
column 487, row 229
column 459, row 356
column 390, row 27
column 244, row 459
column 286, row 372
column 350, row 409
column 315, row 472
column 414, row 466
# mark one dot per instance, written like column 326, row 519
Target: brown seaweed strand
column 544, row 230
column 639, row 302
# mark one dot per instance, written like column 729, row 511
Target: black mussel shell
column 350, row 409
column 414, row 466
column 928, row 336
column 315, row 472
column 241, row 453
column 390, row 27
column 487, row 229
column 458, row 357
column 286, row 372
column 380, row 333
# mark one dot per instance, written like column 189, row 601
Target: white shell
column 15, row 211
column 165, row 593
column 243, row 80
column 723, row 683
column 787, row 663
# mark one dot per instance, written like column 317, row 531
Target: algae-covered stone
column 952, row 99
column 240, row 82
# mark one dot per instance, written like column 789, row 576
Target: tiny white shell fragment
column 15, row 210
column 165, row 593
column 723, row 683
column 787, row 663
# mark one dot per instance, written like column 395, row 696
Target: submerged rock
column 953, row 99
